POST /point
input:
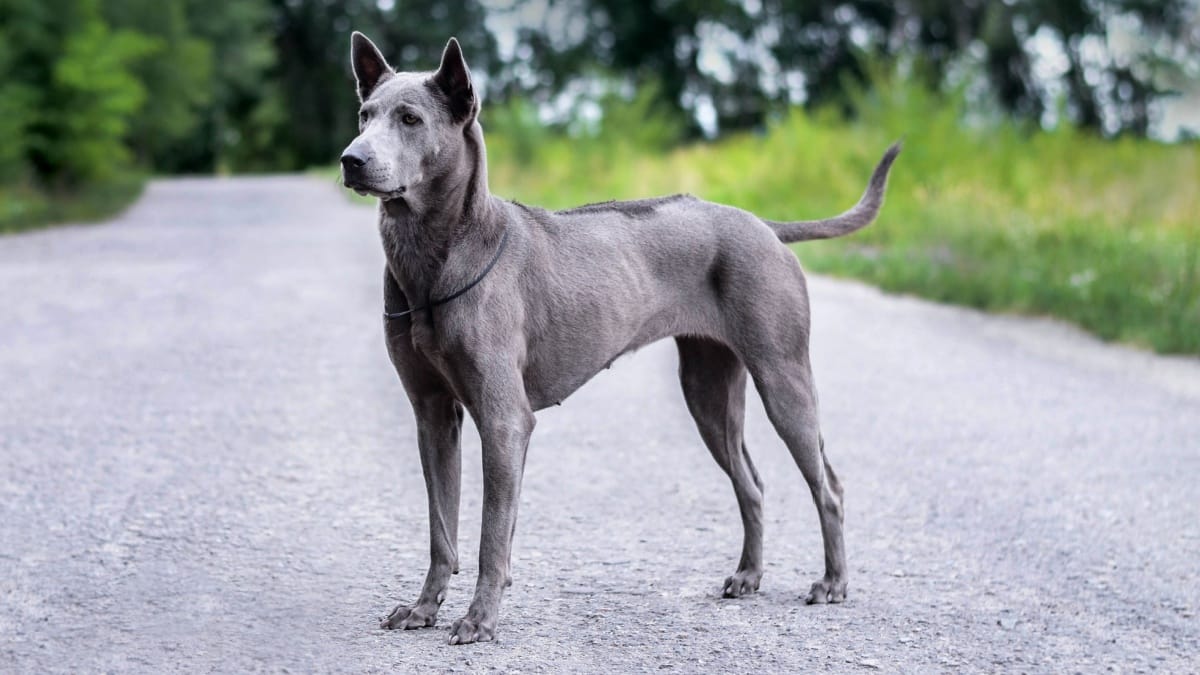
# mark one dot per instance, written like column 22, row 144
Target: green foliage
column 94, row 92
column 716, row 51
column 68, row 93
column 616, row 125
column 241, row 127
column 641, row 121
column 1103, row 233
column 516, row 127
column 92, row 98
column 17, row 101
column 178, row 79
column 658, row 43
column 23, row 207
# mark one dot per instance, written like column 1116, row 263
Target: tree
column 650, row 43
column 814, row 44
column 1110, row 91
column 178, row 79
column 75, row 92
column 241, row 127
column 17, row 102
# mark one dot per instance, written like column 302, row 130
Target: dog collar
column 441, row 301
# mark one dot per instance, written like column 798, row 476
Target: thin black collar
column 441, row 301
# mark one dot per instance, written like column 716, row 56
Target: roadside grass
column 24, row 207
column 1102, row 233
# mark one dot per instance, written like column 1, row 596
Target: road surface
column 207, row 464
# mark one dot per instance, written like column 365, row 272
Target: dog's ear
column 453, row 78
column 370, row 68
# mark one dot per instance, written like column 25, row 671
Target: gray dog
column 504, row 309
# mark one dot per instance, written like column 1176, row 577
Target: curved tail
column 855, row 219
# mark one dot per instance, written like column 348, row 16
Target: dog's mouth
column 369, row 191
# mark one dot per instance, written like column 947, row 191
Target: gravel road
column 207, row 464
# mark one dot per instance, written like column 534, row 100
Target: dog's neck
column 421, row 234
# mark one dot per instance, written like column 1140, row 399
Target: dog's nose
column 354, row 158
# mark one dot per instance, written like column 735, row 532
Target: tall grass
column 1104, row 233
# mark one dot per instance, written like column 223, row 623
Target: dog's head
column 410, row 125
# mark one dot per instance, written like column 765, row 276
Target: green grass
column 26, row 208
column 1102, row 233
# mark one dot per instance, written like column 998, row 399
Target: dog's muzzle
column 357, row 165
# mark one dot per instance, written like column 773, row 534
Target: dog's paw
column 465, row 631
column 743, row 582
column 407, row 618
column 826, row 591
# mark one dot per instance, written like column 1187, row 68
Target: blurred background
column 1051, row 163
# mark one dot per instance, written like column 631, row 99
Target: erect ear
column 370, row 68
column 454, row 79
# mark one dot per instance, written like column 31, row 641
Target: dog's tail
column 860, row 216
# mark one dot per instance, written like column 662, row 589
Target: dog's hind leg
column 714, row 386
column 786, row 387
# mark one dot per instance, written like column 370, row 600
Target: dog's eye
column 410, row 119
column 363, row 116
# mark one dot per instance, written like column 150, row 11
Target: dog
column 502, row 309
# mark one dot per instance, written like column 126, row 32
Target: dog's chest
column 426, row 342
column 444, row 349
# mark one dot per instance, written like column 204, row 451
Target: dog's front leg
column 439, row 426
column 505, row 423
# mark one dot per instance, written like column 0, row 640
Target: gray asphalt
column 207, row 464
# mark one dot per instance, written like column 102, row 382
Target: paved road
column 206, row 463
